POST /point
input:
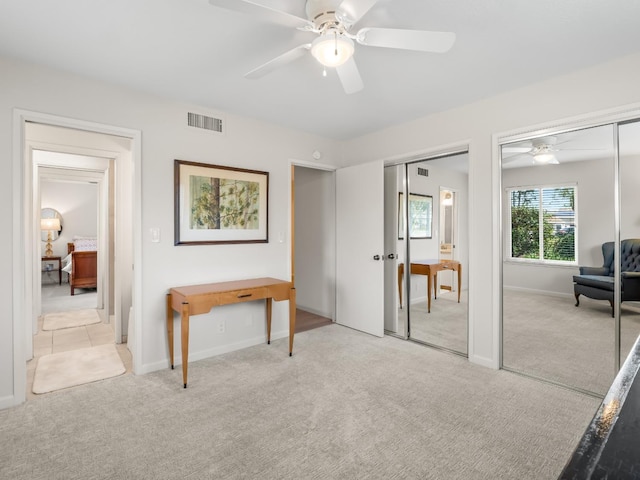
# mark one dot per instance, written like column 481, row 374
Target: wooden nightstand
column 46, row 260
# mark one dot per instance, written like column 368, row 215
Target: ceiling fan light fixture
column 332, row 49
column 544, row 157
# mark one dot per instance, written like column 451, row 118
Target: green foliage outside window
column 556, row 224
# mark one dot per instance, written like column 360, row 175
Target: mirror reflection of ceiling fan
column 539, row 150
column 334, row 45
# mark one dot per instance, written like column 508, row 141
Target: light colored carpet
column 345, row 406
column 547, row 336
column 446, row 325
column 77, row 367
column 70, row 319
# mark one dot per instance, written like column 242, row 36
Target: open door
column 360, row 247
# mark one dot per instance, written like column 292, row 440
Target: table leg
column 59, row 272
column 429, row 287
column 185, row 342
column 170, row 328
column 435, row 284
column 269, row 302
column 459, row 281
column 292, row 318
column 400, row 275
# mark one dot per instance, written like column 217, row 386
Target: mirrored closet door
column 629, row 177
column 428, row 205
column 560, row 238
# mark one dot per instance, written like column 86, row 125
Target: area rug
column 68, row 369
column 70, row 319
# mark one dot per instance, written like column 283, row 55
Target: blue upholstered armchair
column 597, row 282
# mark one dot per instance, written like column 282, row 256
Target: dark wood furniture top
column 199, row 299
column 610, row 446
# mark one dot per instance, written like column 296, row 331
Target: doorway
column 34, row 131
column 313, row 245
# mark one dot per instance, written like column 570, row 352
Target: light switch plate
column 155, row 234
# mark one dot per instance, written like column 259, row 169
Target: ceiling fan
column 540, row 150
column 334, row 46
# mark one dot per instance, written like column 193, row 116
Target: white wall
column 78, row 206
column 607, row 86
column 247, row 143
column 315, row 240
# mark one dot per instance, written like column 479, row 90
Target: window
column 543, row 223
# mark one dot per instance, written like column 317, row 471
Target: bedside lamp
column 49, row 225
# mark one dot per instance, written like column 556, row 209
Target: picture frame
column 215, row 204
column 420, row 216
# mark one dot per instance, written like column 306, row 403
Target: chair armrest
column 594, row 271
column 630, row 275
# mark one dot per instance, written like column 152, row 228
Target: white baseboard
column 211, row 352
column 8, row 402
column 538, row 292
column 483, row 361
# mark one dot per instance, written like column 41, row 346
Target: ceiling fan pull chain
column 335, row 36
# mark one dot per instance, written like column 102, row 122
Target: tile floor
column 55, row 341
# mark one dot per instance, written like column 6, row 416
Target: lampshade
column 332, row 49
column 50, row 224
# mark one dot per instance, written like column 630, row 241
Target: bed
column 82, row 264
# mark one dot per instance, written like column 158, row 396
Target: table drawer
column 243, row 295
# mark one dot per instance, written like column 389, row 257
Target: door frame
column 614, row 117
column 23, row 235
column 292, row 217
column 99, row 176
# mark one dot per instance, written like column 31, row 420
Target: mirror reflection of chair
column 598, row 282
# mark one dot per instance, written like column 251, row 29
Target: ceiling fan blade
column 279, row 61
column 420, row 40
column 516, row 157
column 264, row 13
column 350, row 77
column 516, row 149
column 350, row 12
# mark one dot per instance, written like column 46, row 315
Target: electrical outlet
column 221, row 326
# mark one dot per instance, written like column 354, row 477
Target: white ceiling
column 192, row 52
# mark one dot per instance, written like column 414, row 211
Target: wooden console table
column 430, row 268
column 199, row 299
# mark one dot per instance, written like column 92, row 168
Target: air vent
column 423, row 172
column 206, row 123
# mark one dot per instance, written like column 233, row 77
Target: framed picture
column 420, row 216
column 215, row 204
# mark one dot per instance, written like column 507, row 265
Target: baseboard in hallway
column 307, row 321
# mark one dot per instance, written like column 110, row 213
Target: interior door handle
column 376, row 257
column 391, row 256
